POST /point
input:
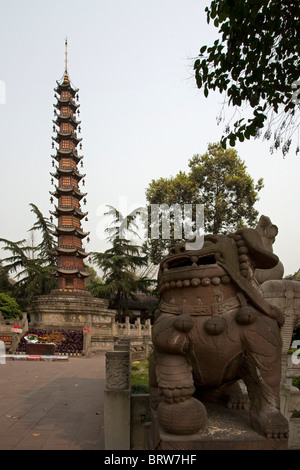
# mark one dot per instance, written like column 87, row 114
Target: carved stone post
column 117, row 400
column 127, row 326
column 146, row 345
column 148, row 325
column 139, row 326
column 114, row 327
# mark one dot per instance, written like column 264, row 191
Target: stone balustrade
column 114, row 328
column 102, row 337
column 290, row 399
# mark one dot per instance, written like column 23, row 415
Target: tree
column 225, row 188
column 218, row 180
column 5, row 281
column 166, row 191
column 293, row 277
column 9, row 307
column 32, row 266
column 120, row 263
column 255, row 62
column 47, row 246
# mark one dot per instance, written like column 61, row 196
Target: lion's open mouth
column 190, row 261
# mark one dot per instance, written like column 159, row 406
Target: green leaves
column 9, row 307
column 33, row 266
column 256, row 63
column 218, row 180
column 121, row 262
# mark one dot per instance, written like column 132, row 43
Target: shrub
column 296, row 382
column 9, row 307
column 140, row 377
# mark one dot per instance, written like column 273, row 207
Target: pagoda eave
column 84, row 274
column 81, row 234
column 65, row 102
column 63, row 136
column 67, row 152
column 69, row 171
column 67, row 190
column 73, row 272
column 65, row 117
column 63, row 230
column 62, row 85
column 71, row 251
column 68, row 211
column 67, row 271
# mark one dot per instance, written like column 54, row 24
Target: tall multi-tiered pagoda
column 70, row 269
column 69, row 306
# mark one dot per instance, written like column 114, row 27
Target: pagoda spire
column 66, row 76
column 70, row 270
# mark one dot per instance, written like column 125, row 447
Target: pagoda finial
column 66, row 76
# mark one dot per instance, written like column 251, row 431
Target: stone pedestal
column 69, row 310
column 225, row 430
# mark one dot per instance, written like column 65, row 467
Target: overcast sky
column 142, row 115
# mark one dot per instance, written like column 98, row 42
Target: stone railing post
column 139, row 326
column 127, row 326
column 146, row 345
column 117, row 400
column 148, row 325
column 114, row 327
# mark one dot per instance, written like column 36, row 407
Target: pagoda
column 70, row 305
column 70, row 270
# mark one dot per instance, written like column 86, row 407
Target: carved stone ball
column 186, row 417
column 215, row 326
column 246, row 315
column 183, row 323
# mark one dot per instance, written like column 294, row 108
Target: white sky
column 142, row 115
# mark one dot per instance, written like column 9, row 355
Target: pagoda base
column 69, row 310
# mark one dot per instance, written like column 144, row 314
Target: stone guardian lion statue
column 214, row 330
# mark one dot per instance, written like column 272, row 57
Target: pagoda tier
column 69, row 211
column 64, row 85
column 76, row 232
column 61, row 136
column 66, row 118
column 67, row 153
column 70, row 252
column 67, row 191
column 68, row 171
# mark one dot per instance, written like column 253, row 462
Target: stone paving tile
column 59, row 406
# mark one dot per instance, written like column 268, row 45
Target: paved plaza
column 52, row 405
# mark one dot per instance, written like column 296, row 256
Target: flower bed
column 66, row 342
